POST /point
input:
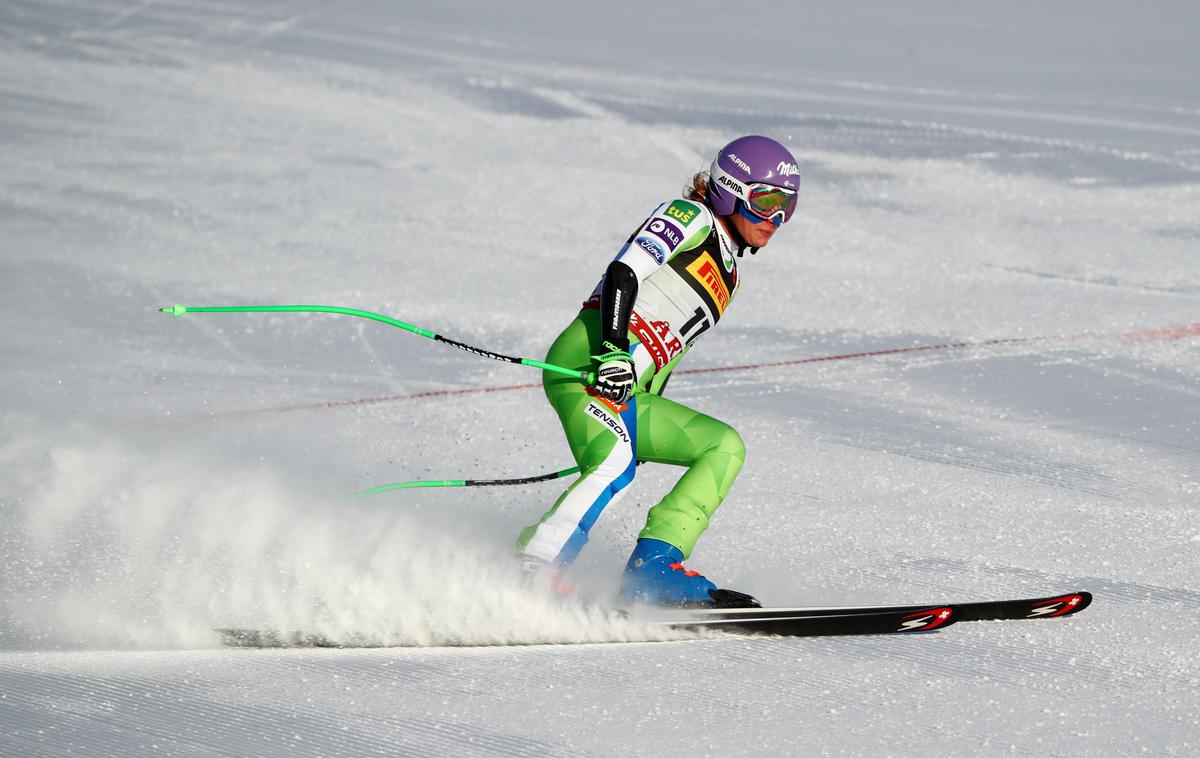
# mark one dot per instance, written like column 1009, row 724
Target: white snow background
column 971, row 172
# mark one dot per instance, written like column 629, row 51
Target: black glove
column 614, row 373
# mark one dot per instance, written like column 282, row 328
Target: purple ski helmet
column 746, row 161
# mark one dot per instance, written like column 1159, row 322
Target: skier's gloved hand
column 614, row 373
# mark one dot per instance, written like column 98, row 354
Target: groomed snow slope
column 1013, row 188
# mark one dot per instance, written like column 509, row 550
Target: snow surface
column 1010, row 171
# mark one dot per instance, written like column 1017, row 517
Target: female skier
column 670, row 283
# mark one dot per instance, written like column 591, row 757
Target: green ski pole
column 587, row 377
column 466, row 482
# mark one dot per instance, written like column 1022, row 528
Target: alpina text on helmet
column 731, row 184
column 739, row 162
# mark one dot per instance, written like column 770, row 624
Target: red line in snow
column 1144, row 335
column 866, row 354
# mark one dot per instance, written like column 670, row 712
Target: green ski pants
column 607, row 441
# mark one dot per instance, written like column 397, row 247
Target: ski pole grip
column 587, row 377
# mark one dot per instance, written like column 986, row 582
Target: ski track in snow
column 970, row 175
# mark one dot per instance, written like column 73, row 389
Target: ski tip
column 1085, row 599
column 1062, row 605
column 174, row 310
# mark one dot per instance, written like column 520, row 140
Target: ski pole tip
column 174, row 310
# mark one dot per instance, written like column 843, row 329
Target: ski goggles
column 768, row 202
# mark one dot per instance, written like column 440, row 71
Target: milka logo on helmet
column 739, row 162
column 731, row 184
column 787, row 169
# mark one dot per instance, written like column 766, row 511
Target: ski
column 781, row 622
column 1054, row 606
column 774, row 623
column 807, row 621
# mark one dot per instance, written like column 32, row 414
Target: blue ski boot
column 655, row 575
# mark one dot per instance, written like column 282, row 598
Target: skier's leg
column 602, row 442
column 602, row 438
column 713, row 452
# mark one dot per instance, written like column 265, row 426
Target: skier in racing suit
column 669, row 284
